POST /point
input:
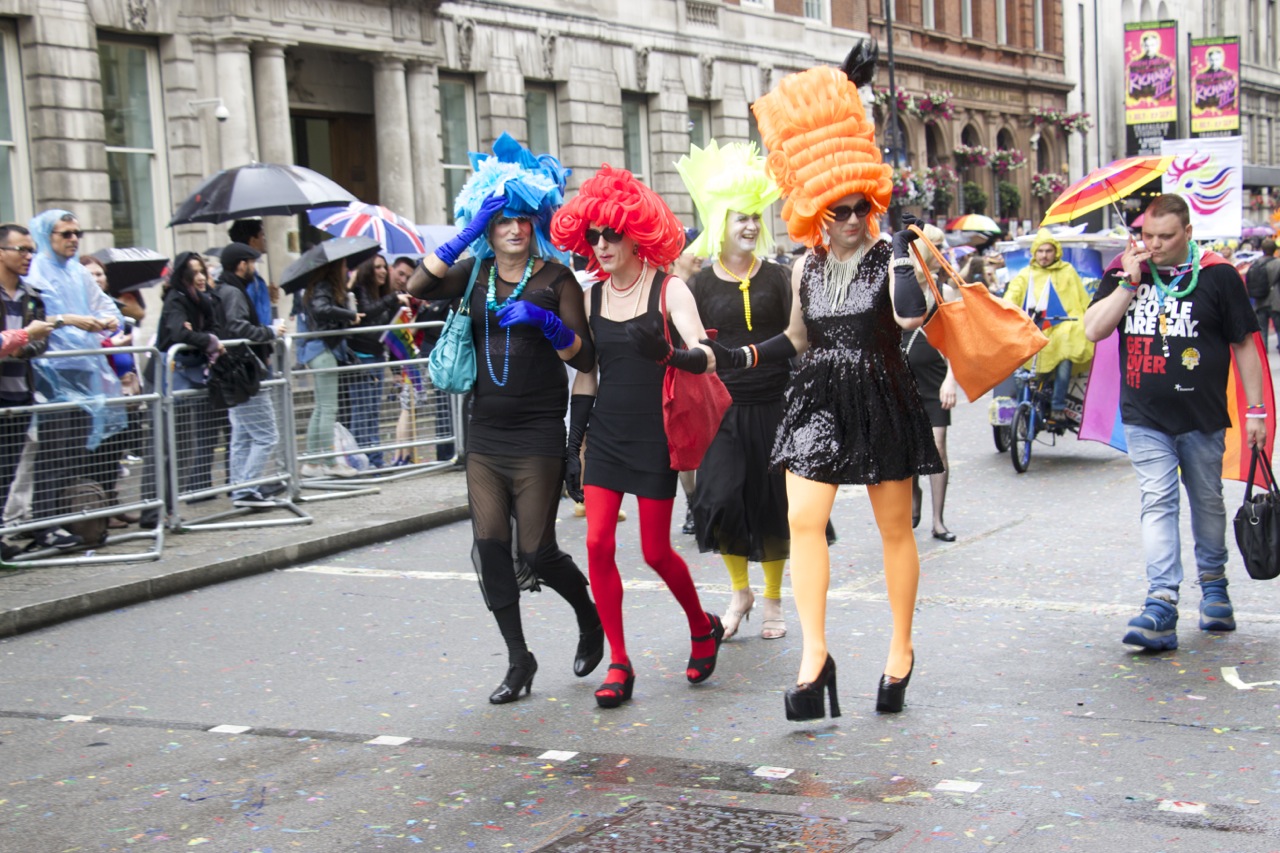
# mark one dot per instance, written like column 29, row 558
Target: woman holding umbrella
column 528, row 323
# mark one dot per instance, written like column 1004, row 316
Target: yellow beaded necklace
column 744, row 284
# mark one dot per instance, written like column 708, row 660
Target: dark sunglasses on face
column 844, row 211
column 609, row 235
column 67, row 235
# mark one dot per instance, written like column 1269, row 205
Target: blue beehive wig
column 533, row 186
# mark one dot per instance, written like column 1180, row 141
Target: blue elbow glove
column 452, row 248
column 520, row 311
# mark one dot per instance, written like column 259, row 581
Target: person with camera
column 1180, row 315
column 253, row 422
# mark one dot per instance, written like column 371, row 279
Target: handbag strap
column 942, row 263
column 1260, row 459
column 465, row 307
column 662, row 309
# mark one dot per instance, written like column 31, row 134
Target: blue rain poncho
column 66, row 287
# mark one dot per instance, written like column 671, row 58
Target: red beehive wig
column 821, row 149
column 614, row 199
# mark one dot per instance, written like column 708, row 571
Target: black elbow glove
column 908, row 298
column 579, row 414
column 650, row 341
column 776, row 349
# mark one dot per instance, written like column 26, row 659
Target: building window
column 966, row 18
column 814, row 10
column 132, row 114
column 457, row 133
column 929, row 20
column 1037, row 7
column 540, row 116
column 699, row 123
column 15, row 189
column 635, row 134
column 1002, row 22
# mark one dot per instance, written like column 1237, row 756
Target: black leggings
column 524, row 490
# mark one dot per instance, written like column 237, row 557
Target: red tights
column 655, row 543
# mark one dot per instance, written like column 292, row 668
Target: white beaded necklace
column 838, row 275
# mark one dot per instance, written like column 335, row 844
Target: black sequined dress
column 852, row 412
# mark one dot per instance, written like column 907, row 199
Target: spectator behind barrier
column 81, row 313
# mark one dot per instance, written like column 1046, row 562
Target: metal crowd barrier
column 202, row 462
column 83, row 463
column 394, row 417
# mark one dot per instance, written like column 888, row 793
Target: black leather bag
column 235, row 377
column 1257, row 523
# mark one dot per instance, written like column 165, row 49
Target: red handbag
column 693, row 404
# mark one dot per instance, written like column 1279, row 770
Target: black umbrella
column 259, row 189
column 355, row 250
column 131, row 269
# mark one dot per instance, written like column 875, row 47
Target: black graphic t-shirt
column 1188, row 390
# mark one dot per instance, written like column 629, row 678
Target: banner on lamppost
column 1215, row 86
column 1151, row 84
column 1209, row 174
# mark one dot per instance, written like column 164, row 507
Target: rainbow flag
column 1101, row 418
column 400, row 347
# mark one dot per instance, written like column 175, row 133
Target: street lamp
column 893, row 139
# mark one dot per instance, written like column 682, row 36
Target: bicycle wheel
column 1002, row 435
column 1023, row 433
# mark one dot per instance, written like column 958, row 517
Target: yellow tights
column 739, row 579
column 810, row 505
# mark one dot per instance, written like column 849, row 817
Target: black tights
column 514, row 499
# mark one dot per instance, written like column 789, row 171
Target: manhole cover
column 719, row 829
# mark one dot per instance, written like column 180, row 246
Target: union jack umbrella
column 397, row 235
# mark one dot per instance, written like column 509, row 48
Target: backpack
column 1261, row 278
column 84, row 495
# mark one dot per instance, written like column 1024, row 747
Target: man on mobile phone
column 1180, row 316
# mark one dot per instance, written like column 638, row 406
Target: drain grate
column 668, row 828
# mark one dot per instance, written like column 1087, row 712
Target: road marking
column 846, row 593
column 1232, row 677
column 74, row 718
column 959, row 786
column 772, row 772
column 557, row 755
column 1180, row 807
column 388, row 740
column 230, row 730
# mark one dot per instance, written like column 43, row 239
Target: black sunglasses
column 844, row 211
column 67, row 235
column 610, row 236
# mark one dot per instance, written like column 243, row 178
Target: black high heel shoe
column 611, row 694
column 804, row 701
column 590, row 652
column 892, row 694
column 700, row 669
column 519, row 677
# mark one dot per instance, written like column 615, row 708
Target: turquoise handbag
column 452, row 363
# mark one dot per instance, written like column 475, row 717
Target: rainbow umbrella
column 397, row 235
column 975, row 222
column 1105, row 185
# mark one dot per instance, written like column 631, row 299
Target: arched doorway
column 973, row 196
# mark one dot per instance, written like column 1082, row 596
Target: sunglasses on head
column 67, row 235
column 610, row 236
column 844, row 211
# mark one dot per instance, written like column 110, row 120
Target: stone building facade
column 112, row 106
column 1094, row 55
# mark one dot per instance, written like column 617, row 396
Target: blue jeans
column 1156, row 458
column 1061, row 385
column 253, row 438
column 366, row 407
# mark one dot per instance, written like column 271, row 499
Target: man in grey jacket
column 253, row 422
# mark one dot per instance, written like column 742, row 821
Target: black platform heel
column 700, row 669
column 519, row 677
column 611, row 694
column 892, row 694
column 590, row 652
column 804, row 701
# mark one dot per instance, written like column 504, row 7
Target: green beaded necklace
column 1166, row 291
column 491, row 299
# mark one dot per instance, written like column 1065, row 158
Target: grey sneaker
column 1155, row 628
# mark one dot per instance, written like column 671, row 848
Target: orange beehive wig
column 821, row 149
column 614, row 199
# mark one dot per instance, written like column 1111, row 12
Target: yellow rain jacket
column 1027, row 291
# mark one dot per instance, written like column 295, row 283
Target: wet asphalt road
column 1029, row 727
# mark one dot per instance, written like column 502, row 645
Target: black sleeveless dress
column 852, row 412
column 740, row 504
column 626, row 438
column 930, row 370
